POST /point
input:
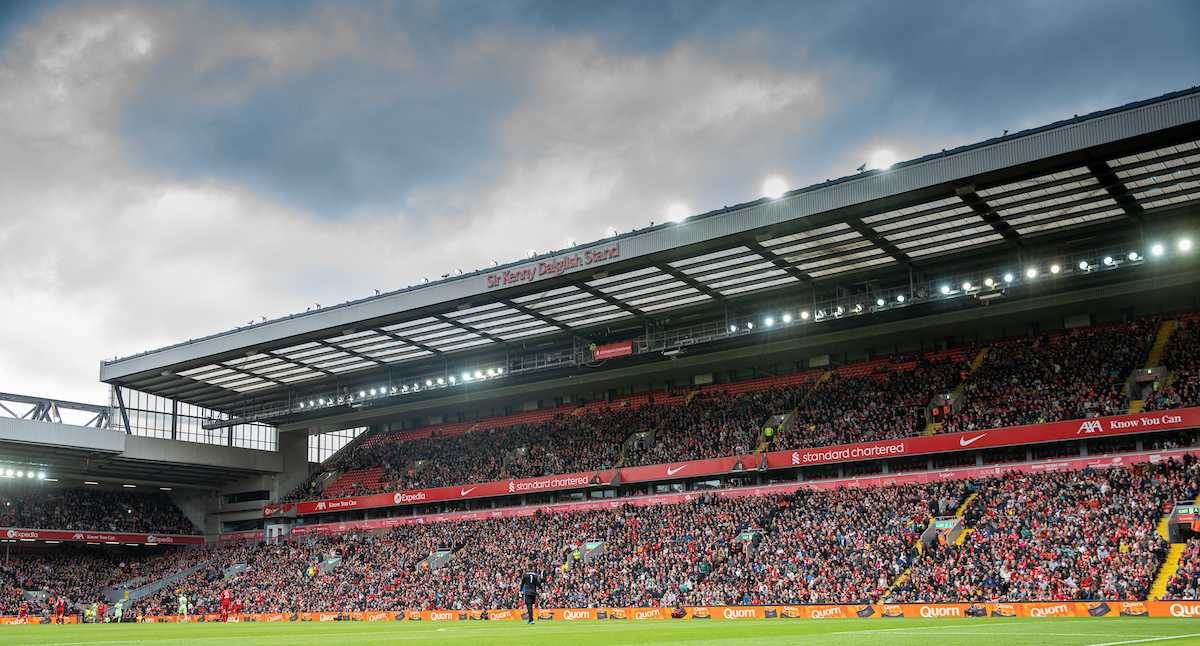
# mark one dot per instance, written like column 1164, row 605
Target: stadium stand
column 93, row 510
column 1070, row 535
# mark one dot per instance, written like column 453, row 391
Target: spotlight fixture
column 769, row 321
column 1156, row 250
column 1008, row 278
column 457, row 272
column 857, row 308
column 531, row 253
column 466, row 376
column 491, row 373
column 749, row 325
column 1133, row 255
column 478, row 375
column 424, row 280
column 820, row 314
column 804, row 315
column 372, row 392
column 880, row 302
column 493, row 263
column 570, row 243
column 966, row 286
column 41, row 476
column 428, row 382
column 1054, row 269
column 451, row 378
column 610, row 232
column 945, row 289
column 989, row 282
column 1032, row 273
column 362, row 393
column 900, row 298
column 499, row 371
column 733, row 328
column 787, row 318
column 441, row 382
column 840, row 310
column 1083, row 265
column 1108, row 260
column 1185, row 244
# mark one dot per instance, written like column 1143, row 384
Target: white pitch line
column 1151, row 639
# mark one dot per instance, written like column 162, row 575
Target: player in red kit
column 23, row 612
column 60, row 610
column 226, row 601
column 237, row 609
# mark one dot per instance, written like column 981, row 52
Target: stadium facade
column 1079, row 223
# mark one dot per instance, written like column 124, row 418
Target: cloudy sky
column 172, row 170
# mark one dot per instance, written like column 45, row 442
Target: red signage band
column 613, row 350
column 98, row 537
column 926, row 445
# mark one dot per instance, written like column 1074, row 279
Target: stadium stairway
column 1160, row 343
column 933, row 427
column 1162, row 527
column 150, row 588
column 1166, row 571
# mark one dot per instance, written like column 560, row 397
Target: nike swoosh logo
column 464, row 492
column 962, row 441
column 672, row 472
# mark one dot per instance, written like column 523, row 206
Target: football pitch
column 831, row 632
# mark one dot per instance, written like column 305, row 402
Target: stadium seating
column 38, row 507
column 1068, row 535
column 1058, row 375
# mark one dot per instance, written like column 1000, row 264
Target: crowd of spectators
column 1060, row 375
column 97, row 510
column 887, row 404
column 1081, row 535
column 1054, row 376
column 80, row 574
column 1185, row 584
column 1084, row 535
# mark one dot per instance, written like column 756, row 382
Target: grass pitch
column 829, row 632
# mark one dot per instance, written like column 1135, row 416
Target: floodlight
column 749, row 325
column 900, row 298
column 989, row 282
column 945, row 289
column 787, row 318
column 770, row 321
column 774, row 188
column 733, row 328
column 1156, row 250
column 531, row 253
column 1054, row 269
column 1008, row 278
column 1185, row 244
column 804, row 315
column 966, row 286
column 441, row 382
column 1083, row 265
column 1133, row 255
column 1108, row 260
column 1032, row 273
column 879, row 302
column 677, row 213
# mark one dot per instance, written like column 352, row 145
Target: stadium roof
column 1118, row 168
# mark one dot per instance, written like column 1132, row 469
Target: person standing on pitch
column 531, row 584
column 182, row 608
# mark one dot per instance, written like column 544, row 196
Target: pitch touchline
column 1150, row 639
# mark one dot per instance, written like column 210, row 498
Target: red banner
column 98, row 537
column 613, row 350
column 1018, row 435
